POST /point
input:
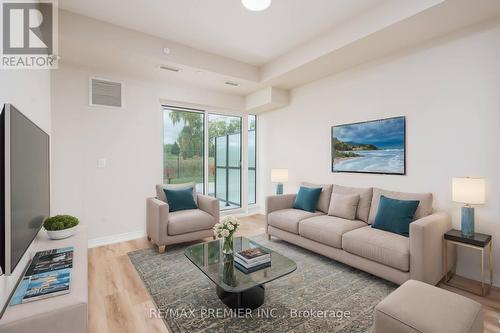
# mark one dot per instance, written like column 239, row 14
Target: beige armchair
column 166, row 228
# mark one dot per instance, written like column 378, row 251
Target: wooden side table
column 477, row 242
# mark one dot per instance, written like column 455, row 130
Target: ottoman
column 419, row 307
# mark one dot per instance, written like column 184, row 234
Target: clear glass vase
column 227, row 247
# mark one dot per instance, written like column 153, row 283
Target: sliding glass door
column 183, row 147
column 224, row 159
column 207, row 148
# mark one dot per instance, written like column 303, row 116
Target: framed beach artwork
column 377, row 146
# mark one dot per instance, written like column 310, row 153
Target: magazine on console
column 48, row 275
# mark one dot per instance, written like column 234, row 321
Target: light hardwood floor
column 119, row 302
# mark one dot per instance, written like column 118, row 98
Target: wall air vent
column 170, row 69
column 234, row 84
column 106, row 93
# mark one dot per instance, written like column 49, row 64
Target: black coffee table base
column 248, row 299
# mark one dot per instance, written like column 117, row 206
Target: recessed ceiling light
column 256, row 5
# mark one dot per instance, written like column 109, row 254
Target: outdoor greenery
column 342, row 154
column 183, row 159
column 350, row 146
column 60, row 222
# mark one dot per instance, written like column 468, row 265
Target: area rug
column 322, row 295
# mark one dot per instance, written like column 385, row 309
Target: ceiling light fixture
column 256, row 5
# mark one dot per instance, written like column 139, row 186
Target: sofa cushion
column 424, row 208
column 365, row 199
column 160, row 190
column 180, row 199
column 344, row 206
column 288, row 219
column 324, row 197
column 395, row 215
column 185, row 221
column 307, row 199
column 327, row 230
column 381, row 246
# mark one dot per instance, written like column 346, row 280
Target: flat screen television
column 25, row 184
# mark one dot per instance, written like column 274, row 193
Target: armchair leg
column 162, row 248
column 268, row 236
column 214, row 237
column 149, row 238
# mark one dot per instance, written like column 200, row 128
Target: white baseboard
column 106, row 240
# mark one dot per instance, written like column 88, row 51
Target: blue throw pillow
column 180, row 199
column 395, row 215
column 307, row 199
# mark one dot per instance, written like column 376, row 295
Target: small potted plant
column 60, row 226
column 226, row 229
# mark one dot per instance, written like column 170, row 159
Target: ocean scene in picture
column 373, row 147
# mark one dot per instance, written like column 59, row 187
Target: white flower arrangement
column 226, row 227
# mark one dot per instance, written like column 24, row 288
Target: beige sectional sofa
column 354, row 242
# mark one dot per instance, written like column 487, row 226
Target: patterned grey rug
column 322, row 295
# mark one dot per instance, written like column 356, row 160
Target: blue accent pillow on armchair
column 307, row 199
column 395, row 215
column 180, row 199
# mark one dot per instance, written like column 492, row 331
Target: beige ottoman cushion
column 419, row 307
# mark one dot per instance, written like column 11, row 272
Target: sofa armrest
column 278, row 202
column 427, row 247
column 209, row 205
column 157, row 220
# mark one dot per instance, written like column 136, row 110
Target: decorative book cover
column 251, row 254
column 252, row 269
column 49, row 274
column 42, row 285
column 51, row 260
column 247, row 264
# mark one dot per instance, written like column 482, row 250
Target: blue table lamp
column 279, row 176
column 470, row 191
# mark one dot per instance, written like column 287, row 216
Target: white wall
column 449, row 92
column 29, row 92
column 112, row 201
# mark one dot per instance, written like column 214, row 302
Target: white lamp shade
column 279, row 175
column 469, row 190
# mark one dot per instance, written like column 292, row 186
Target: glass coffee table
column 236, row 289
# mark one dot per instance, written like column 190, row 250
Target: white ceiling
column 292, row 43
column 225, row 27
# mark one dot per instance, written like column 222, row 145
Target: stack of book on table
column 252, row 260
column 49, row 274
